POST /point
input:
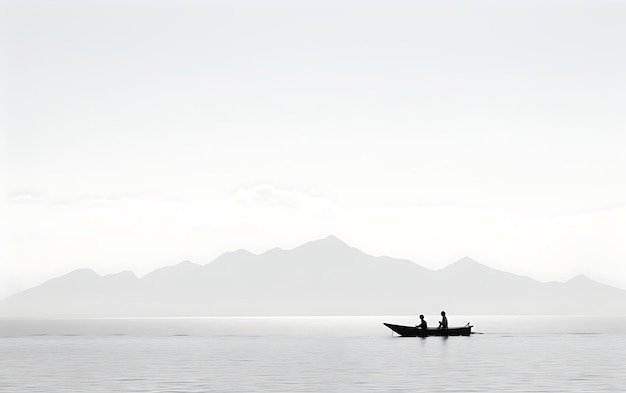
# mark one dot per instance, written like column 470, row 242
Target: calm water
column 335, row 354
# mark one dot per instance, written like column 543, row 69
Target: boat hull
column 412, row 331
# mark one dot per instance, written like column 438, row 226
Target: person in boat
column 444, row 321
column 423, row 324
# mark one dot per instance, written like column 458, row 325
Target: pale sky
column 137, row 134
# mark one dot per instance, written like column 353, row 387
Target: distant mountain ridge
column 322, row 277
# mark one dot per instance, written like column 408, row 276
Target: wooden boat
column 412, row 331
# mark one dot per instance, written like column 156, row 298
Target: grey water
column 312, row 354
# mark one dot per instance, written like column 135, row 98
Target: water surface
column 317, row 354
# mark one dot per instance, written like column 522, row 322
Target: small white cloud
column 268, row 195
column 25, row 197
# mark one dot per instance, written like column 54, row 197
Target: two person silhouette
column 443, row 324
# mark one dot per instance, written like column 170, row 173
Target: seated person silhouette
column 423, row 324
column 444, row 321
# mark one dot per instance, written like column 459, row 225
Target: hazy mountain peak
column 464, row 264
column 334, row 239
column 581, row 279
column 586, row 284
column 186, row 264
column 82, row 273
column 236, row 253
column 466, row 260
column 330, row 241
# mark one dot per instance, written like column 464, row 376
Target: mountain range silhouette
column 322, row 277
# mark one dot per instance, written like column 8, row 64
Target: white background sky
column 137, row 134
